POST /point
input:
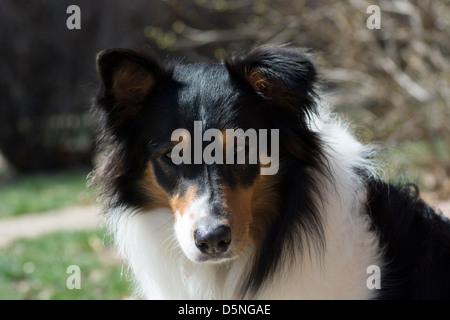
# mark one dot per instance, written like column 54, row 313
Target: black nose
column 213, row 240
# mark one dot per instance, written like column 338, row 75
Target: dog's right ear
column 127, row 78
column 285, row 76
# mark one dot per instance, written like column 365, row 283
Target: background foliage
column 393, row 82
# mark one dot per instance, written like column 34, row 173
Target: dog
column 321, row 225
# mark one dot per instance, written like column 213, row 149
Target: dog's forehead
column 193, row 71
column 205, row 92
column 204, row 78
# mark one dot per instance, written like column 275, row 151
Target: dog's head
column 209, row 141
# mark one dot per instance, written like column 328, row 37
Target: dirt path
column 78, row 218
column 36, row 224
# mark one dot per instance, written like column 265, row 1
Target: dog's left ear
column 283, row 75
column 127, row 78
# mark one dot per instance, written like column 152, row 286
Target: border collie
column 324, row 226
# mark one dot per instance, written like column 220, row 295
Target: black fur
column 291, row 100
column 415, row 241
column 222, row 96
column 271, row 87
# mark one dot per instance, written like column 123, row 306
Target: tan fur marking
column 159, row 197
column 180, row 204
column 259, row 81
column 131, row 83
column 237, row 203
column 265, row 204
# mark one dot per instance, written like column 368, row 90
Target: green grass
column 37, row 268
column 42, row 192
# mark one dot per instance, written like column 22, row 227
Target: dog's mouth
column 215, row 258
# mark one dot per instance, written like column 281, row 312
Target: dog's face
column 170, row 126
